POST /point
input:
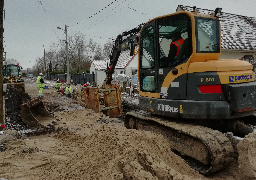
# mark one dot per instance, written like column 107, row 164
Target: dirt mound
column 247, row 156
column 112, row 152
column 86, row 149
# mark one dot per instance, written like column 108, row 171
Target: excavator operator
column 175, row 47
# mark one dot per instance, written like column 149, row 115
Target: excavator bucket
column 34, row 113
column 106, row 100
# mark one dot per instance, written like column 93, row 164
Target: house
column 238, row 35
column 127, row 64
column 126, row 68
column 98, row 68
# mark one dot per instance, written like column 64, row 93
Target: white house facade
column 98, row 68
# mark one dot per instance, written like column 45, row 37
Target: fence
column 76, row 78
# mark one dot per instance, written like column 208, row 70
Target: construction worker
column 84, row 86
column 40, row 84
column 58, row 84
column 175, row 47
column 68, row 91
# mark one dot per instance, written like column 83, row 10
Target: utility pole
column 1, row 66
column 68, row 75
column 67, row 60
column 44, row 61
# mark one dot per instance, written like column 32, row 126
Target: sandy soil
column 89, row 145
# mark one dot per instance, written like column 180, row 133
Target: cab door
column 148, row 75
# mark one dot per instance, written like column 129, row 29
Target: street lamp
column 66, row 32
column 44, row 60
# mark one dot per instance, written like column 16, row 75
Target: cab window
column 147, row 55
column 174, row 32
column 207, row 35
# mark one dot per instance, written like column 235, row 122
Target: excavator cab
column 11, row 73
column 191, row 82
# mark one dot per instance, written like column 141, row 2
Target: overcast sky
column 30, row 24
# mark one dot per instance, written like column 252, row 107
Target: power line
column 99, row 21
column 95, row 22
column 41, row 4
column 136, row 10
column 96, row 12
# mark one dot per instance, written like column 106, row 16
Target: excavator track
column 206, row 150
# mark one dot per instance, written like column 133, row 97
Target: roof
column 100, row 64
column 125, row 58
column 237, row 31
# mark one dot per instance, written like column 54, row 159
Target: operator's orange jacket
column 178, row 43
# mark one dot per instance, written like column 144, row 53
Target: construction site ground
column 88, row 145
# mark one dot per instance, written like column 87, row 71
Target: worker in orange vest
column 175, row 47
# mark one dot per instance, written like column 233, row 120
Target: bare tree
column 107, row 49
column 12, row 61
column 77, row 49
column 81, row 53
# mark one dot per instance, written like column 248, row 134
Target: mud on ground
column 89, row 145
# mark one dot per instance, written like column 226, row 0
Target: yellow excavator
column 191, row 97
column 12, row 74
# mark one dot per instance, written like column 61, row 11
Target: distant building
column 126, row 67
column 98, row 67
column 127, row 64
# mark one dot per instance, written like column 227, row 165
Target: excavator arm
column 121, row 43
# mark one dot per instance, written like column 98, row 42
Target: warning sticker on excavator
column 166, row 107
column 240, row 78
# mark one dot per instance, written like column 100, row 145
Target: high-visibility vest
column 178, row 43
column 39, row 84
column 68, row 90
column 58, row 84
